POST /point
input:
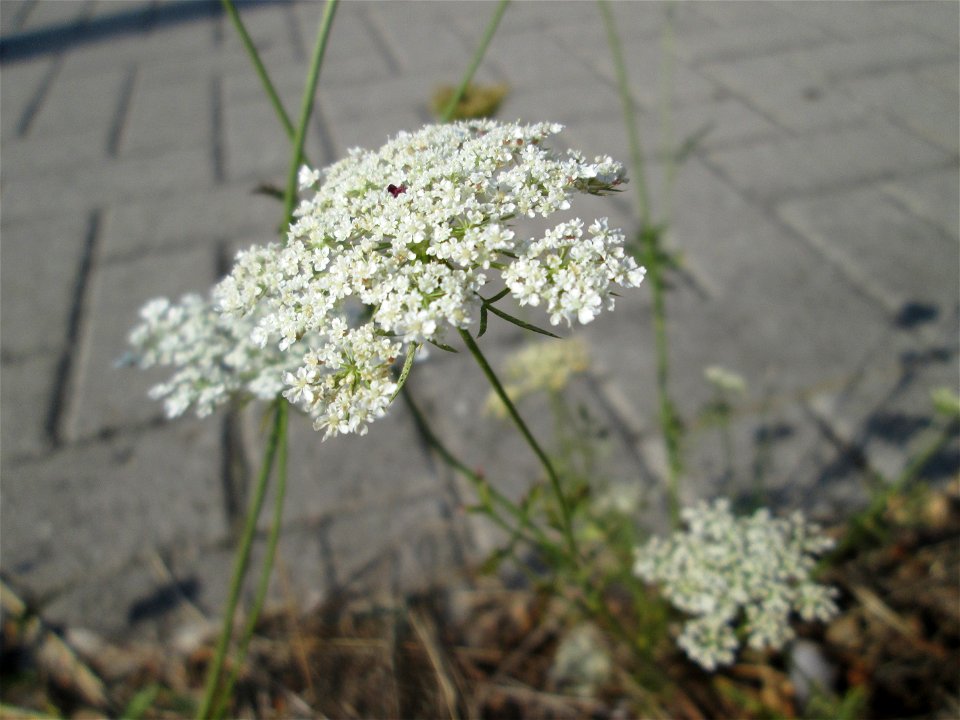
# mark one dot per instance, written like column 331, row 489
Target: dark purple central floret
column 396, row 189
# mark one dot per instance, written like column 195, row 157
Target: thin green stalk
column 482, row 487
column 666, row 118
column 475, row 63
column 726, row 440
column 271, row 553
column 919, row 462
column 630, row 120
column 306, row 107
column 669, row 422
column 652, row 258
column 241, row 561
column 278, row 435
column 531, row 441
column 261, row 70
column 258, row 66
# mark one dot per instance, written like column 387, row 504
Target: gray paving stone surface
column 816, row 218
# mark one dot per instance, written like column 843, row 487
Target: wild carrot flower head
column 391, row 249
column 728, row 572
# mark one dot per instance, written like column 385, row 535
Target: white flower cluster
column 409, row 235
column 725, row 380
column 752, row 572
column 214, row 356
column 541, row 366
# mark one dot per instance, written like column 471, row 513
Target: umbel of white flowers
column 392, row 250
column 733, row 574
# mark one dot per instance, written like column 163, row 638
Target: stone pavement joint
column 61, row 383
column 817, row 217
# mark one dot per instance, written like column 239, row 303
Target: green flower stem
column 475, row 63
column 482, row 487
column 534, row 445
column 306, row 107
column 242, row 559
column 630, row 120
column 939, row 441
column 258, row 66
column 272, row 541
column 668, row 150
column 652, row 258
column 278, row 436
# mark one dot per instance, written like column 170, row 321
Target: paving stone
column 25, row 400
column 109, row 181
column 796, row 99
column 368, row 131
column 534, row 60
column 342, row 474
column 902, row 259
column 12, row 15
column 419, row 45
column 113, row 500
column 168, row 110
column 931, row 196
column 822, row 162
column 932, row 116
column 39, row 265
column 885, row 414
column 733, row 41
column 855, row 22
column 185, row 220
column 138, row 602
column 945, row 76
column 77, row 148
column 364, row 544
column 251, row 154
column 78, row 100
column 45, row 14
column 22, row 86
column 872, row 56
column 117, row 292
column 752, row 16
column 645, row 61
column 354, row 52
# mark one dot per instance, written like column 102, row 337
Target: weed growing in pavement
column 388, row 251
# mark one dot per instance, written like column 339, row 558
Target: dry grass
column 482, row 651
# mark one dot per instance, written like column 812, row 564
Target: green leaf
column 141, row 702
column 520, row 323
column 499, row 296
column 485, row 497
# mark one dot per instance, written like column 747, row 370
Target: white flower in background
column 725, row 380
column 540, row 366
column 393, row 249
column 733, row 575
